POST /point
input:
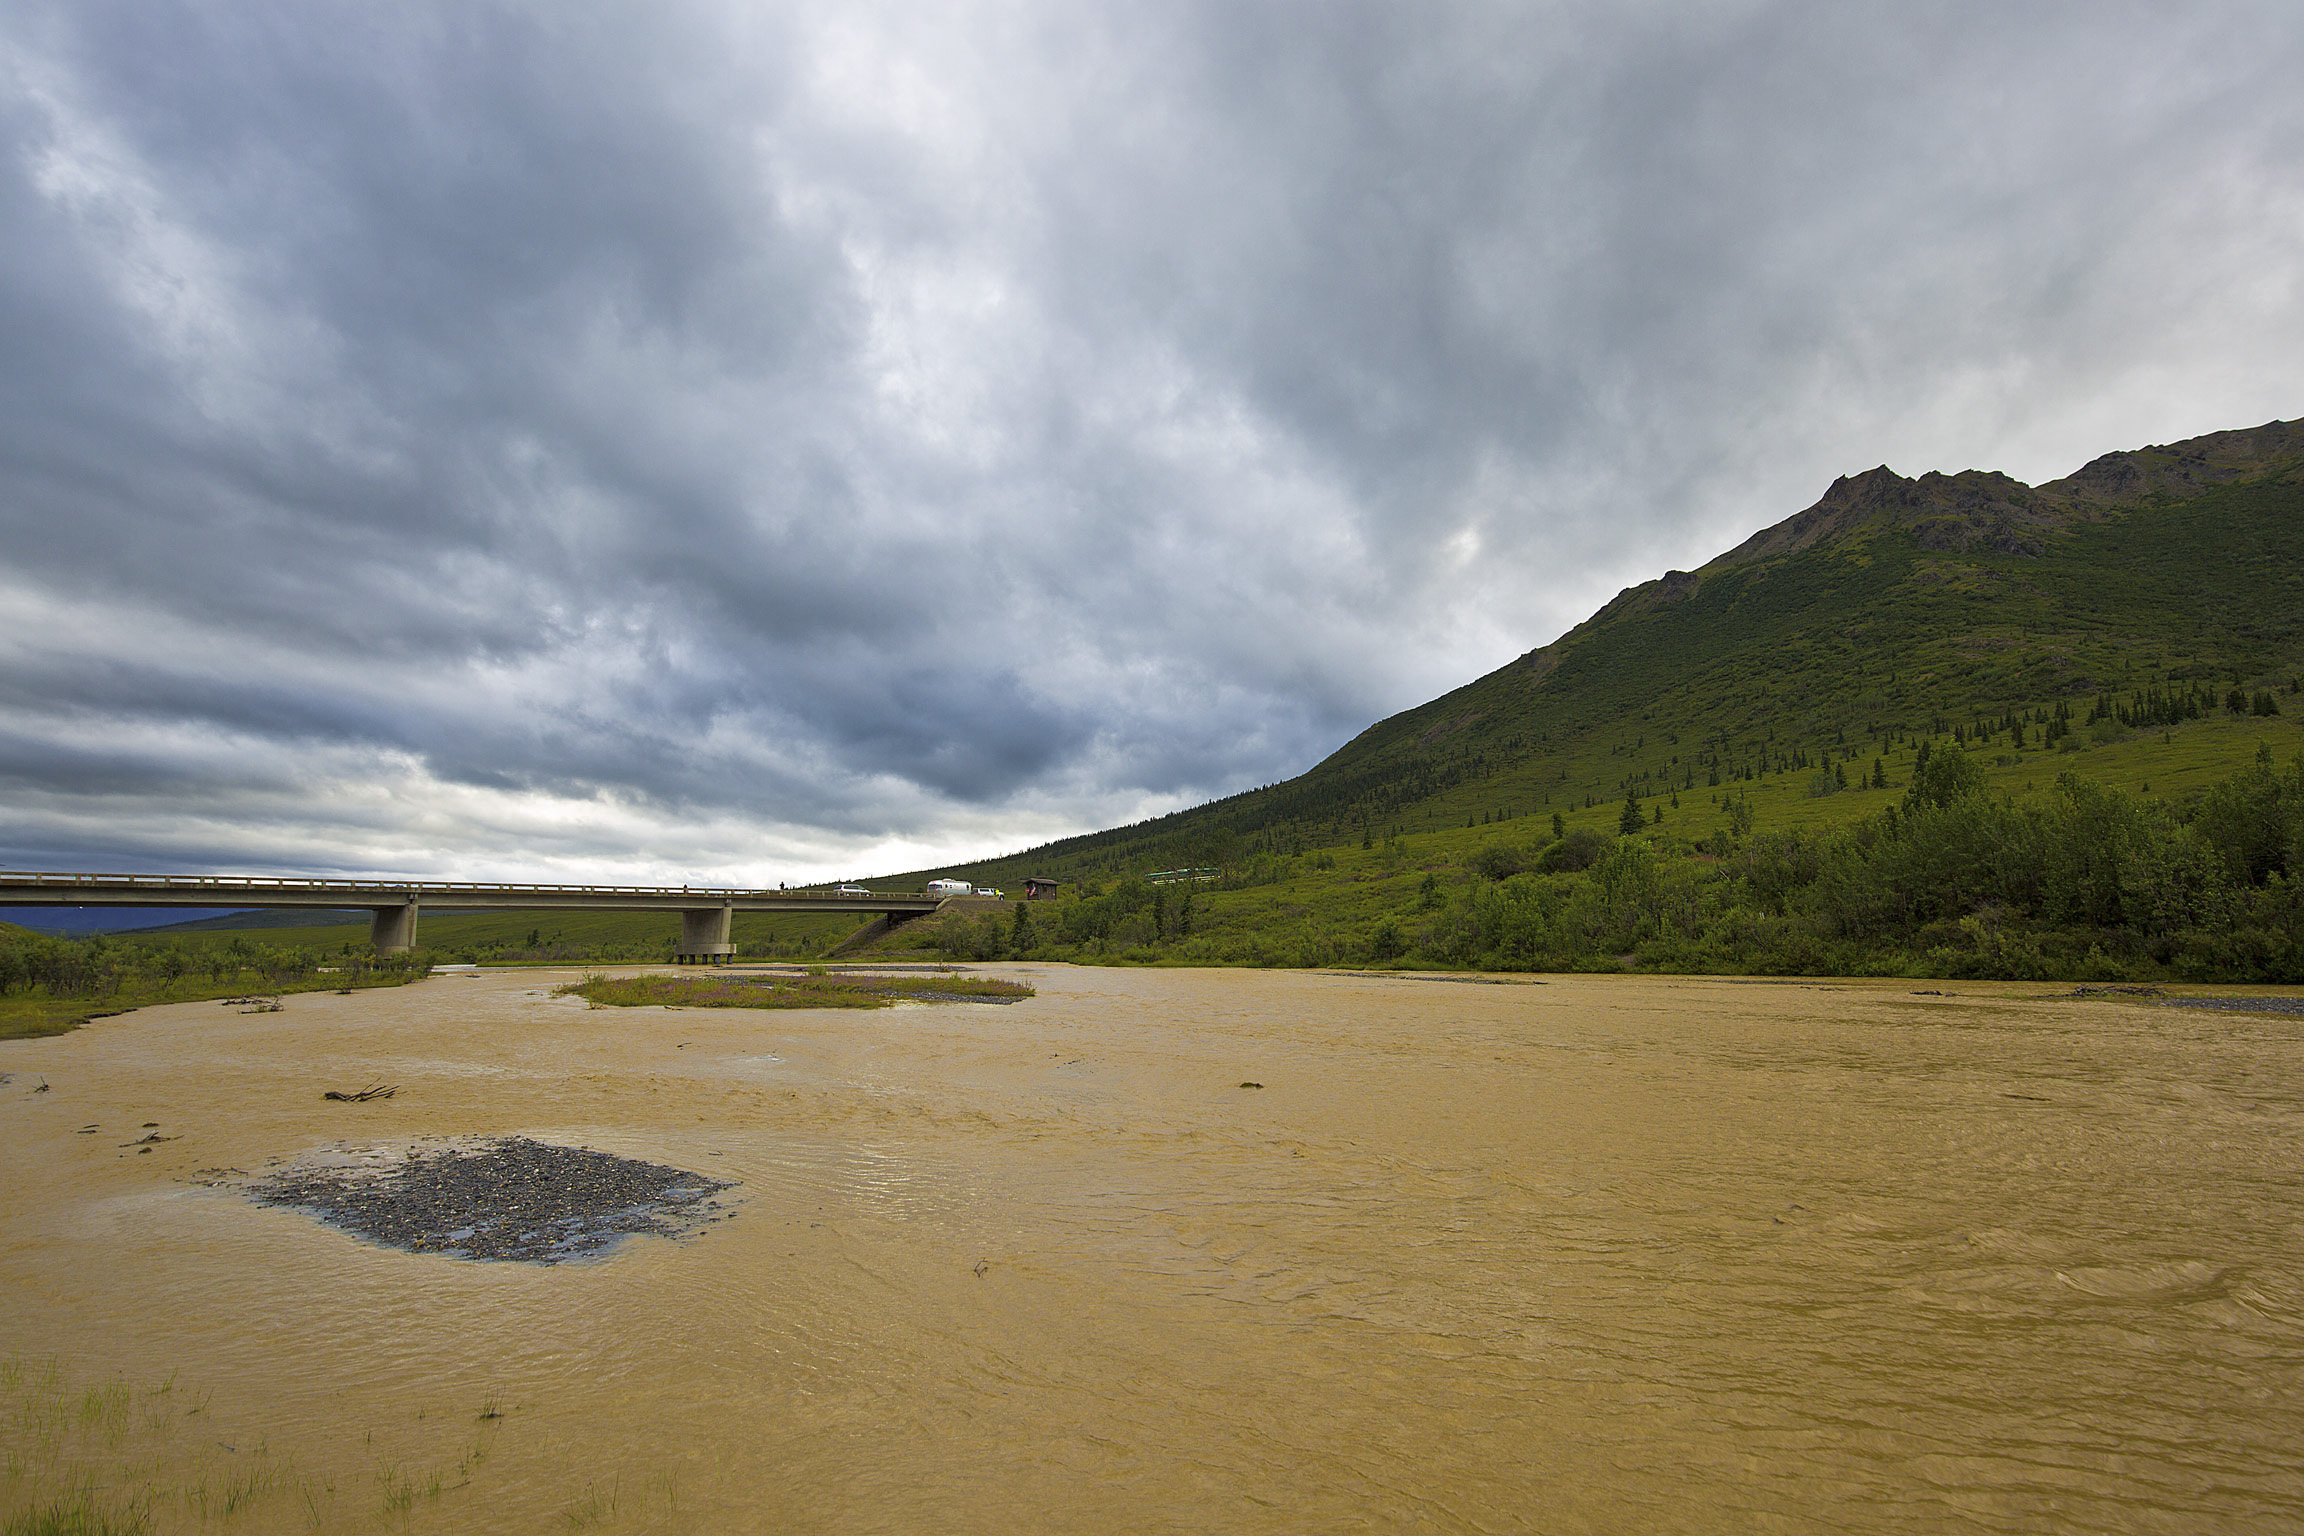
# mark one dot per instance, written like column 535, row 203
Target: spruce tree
column 1632, row 820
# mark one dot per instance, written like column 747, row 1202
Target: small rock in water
column 513, row 1198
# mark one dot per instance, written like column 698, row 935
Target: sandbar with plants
column 808, row 990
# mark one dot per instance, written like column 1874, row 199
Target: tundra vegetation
column 2078, row 880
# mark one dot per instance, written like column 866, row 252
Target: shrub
column 1386, row 941
column 1579, row 850
column 1498, row 861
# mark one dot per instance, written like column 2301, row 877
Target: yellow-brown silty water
column 1598, row 1254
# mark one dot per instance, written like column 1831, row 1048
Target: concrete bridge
column 706, row 912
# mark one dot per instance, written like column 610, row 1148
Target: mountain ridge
column 1979, row 507
column 1892, row 604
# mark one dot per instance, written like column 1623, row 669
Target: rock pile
column 513, row 1198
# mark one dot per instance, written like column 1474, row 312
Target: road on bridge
column 706, row 912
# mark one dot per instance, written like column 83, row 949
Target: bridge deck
column 35, row 888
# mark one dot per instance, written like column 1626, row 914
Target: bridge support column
column 705, row 935
column 392, row 931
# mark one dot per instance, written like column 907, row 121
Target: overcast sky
column 759, row 442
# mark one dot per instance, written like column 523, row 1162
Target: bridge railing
column 226, row 884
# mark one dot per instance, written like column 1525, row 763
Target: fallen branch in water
column 375, row 1091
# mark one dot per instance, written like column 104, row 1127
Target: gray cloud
column 756, row 442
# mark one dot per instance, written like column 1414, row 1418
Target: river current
column 1582, row 1254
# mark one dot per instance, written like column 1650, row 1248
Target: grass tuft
column 77, row 1514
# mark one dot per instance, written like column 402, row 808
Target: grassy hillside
column 1958, row 869
column 1723, row 769
column 2151, row 584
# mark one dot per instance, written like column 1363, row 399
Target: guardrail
column 259, row 884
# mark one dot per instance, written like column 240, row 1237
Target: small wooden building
column 1040, row 888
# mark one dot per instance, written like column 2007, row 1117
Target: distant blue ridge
column 85, row 920
column 81, row 922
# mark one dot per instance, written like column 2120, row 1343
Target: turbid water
column 1600, row 1254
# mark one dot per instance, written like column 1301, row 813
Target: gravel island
column 513, row 1198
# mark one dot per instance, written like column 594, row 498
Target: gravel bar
column 2239, row 1004
column 513, row 1198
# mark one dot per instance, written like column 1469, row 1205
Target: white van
column 985, row 890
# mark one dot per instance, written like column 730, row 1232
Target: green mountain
column 1747, row 767
column 2151, row 603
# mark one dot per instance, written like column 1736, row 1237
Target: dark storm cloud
column 744, row 440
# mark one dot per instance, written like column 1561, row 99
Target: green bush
column 1498, row 861
column 1580, row 849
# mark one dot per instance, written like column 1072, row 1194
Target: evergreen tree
column 1631, row 820
column 1559, row 825
column 1944, row 778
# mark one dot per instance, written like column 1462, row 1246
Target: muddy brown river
column 1595, row 1254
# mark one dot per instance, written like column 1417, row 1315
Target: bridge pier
column 392, row 930
column 706, row 935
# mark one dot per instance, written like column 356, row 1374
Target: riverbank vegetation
column 49, row 985
column 2077, row 881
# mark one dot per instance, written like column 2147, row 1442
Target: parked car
column 985, row 890
column 852, row 890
